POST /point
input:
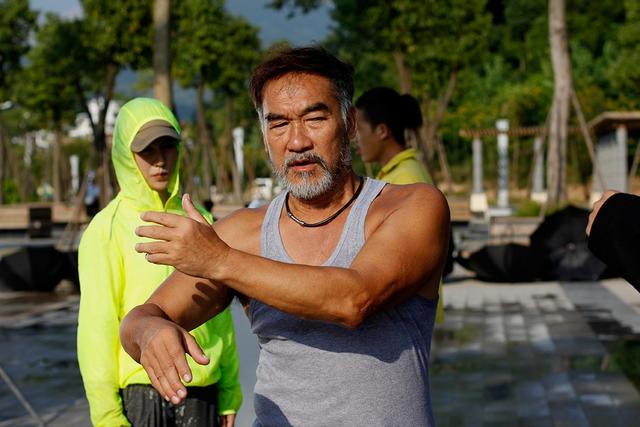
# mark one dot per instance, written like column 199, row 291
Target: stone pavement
column 506, row 355
column 523, row 355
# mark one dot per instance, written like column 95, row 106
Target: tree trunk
column 404, row 73
column 423, row 135
column 55, row 164
column 161, row 51
column 431, row 126
column 2, row 173
column 100, row 137
column 26, row 178
column 559, row 119
column 423, row 156
column 204, row 136
column 16, row 172
column 597, row 172
column 228, row 130
column 444, row 165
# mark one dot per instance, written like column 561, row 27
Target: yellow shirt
column 405, row 168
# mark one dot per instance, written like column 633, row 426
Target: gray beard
column 306, row 187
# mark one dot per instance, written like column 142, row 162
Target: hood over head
column 131, row 118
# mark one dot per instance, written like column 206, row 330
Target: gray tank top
column 315, row 373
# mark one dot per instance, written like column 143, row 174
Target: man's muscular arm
column 402, row 256
column 405, row 252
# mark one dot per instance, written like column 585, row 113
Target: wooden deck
column 16, row 217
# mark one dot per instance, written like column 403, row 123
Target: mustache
column 308, row 156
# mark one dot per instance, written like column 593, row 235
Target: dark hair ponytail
column 383, row 105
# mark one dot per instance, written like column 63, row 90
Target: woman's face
column 370, row 144
column 157, row 163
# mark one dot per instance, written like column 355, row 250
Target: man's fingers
column 159, row 258
column 191, row 210
column 152, row 247
column 156, row 232
column 156, row 383
column 194, row 349
column 162, row 218
column 160, row 379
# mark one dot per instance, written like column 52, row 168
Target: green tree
column 430, row 43
column 17, row 21
column 116, row 35
column 215, row 53
column 47, row 88
column 197, row 64
column 623, row 55
column 241, row 52
column 161, row 51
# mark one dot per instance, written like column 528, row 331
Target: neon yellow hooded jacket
column 114, row 278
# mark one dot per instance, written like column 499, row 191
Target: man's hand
column 162, row 346
column 187, row 243
column 596, row 208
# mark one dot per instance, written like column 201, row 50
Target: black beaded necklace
column 326, row 220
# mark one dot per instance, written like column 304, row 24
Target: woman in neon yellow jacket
column 114, row 278
column 382, row 116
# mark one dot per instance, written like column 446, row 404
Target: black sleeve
column 615, row 236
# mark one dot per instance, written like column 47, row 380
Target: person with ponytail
column 382, row 116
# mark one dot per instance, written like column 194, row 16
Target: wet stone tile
column 534, row 421
column 568, row 414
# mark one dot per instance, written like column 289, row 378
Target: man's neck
column 318, row 208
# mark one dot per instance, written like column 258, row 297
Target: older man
column 338, row 275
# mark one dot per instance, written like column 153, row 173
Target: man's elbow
column 355, row 311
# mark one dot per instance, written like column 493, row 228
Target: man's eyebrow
column 273, row 116
column 318, row 106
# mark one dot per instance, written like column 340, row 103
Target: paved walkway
column 524, row 355
column 506, row 355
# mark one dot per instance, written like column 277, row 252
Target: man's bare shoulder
column 241, row 229
column 411, row 202
column 411, row 197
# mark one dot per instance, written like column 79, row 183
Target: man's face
column 157, row 163
column 305, row 135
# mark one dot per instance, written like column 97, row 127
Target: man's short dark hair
column 311, row 60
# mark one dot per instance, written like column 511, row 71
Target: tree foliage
column 17, row 21
column 47, row 84
column 468, row 62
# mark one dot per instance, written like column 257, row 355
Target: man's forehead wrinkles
column 296, row 94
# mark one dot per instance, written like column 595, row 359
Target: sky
column 274, row 25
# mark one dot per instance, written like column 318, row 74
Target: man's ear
column 351, row 122
column 263, row 131
column 382, row 131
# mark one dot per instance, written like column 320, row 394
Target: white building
column 82, row 128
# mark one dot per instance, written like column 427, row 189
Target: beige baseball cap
column 152, row 131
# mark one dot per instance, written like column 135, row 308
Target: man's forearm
column 324, row 293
